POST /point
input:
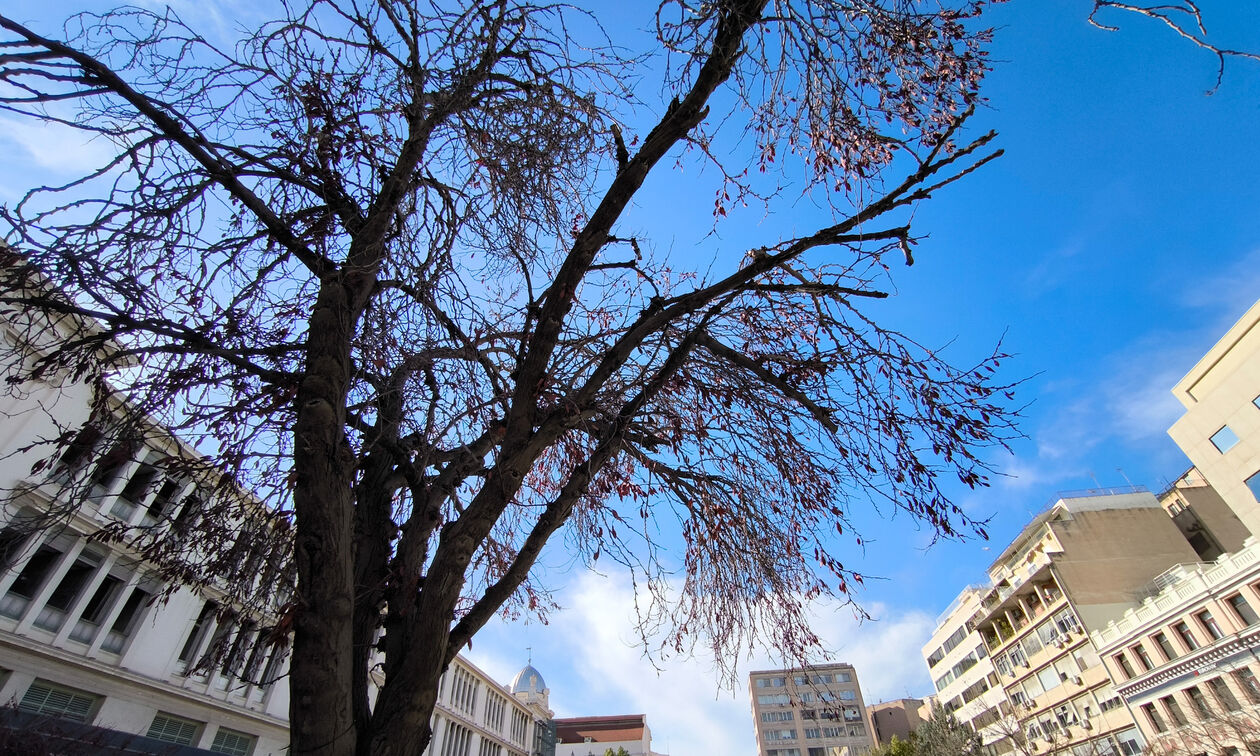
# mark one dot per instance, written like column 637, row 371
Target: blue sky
column 1110, row 247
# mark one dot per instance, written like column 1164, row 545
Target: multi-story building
column 1187, row 657
column 1184, row 656
column 90, row 633
column 810, row 711
column 100, row 654
column 475, row 716
column 899, row 718
column 1220, row 430
column 962, row 672
column 1203, row 517
column 1077, row 565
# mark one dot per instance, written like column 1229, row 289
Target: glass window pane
column 1224, row 439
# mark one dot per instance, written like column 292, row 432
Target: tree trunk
column 320, row 711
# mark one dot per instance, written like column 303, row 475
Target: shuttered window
column 172, row 729
column 53, row 700
column 232, row 742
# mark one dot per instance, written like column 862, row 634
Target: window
column 49, row 699
column 773, row 699
column 771, row 682
column 232, row 742
column 1123, row 664
column 53, row 613
column 172, row 729
column 1209, row 624
column 458, row 740
column 1224, row 439
column 1183, row 632
column 495, row 706
column 1174, row 711
column 1243, row 609
column 1247, row 682
column 28, row 582
column 1165, row 646
column 1143, row 658
column 198, row 634
column 96, row 608
column 812, row 733
column 1223, row 695
column 777, row 716
column 125, row 623
column 772, row 735
column 1198, row 702
column 1155, row 719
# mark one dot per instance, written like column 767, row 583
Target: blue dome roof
column 528, row 680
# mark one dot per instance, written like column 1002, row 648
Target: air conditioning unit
column 1077, row 680
column 1086, row 725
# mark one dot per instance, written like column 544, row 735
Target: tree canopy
column 372, row 260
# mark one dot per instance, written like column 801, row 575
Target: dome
column 528, row 680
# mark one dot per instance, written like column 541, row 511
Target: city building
column 91, row 637
column 476, row 716
column 809, row 711
column 898, row 718
column 1077, row 565
column 1186, row 658
column 595, row 736
column 1220, row 430
column 1204, row 519
column 962, row 672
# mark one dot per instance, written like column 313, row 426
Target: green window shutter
column 47, row 699
column 232, row 742
column 172, row 729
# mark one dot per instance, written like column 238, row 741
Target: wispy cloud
column 52, row 147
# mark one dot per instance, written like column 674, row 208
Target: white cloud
column 62, row 150
column 689, row 711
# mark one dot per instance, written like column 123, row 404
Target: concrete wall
column 1110, row 555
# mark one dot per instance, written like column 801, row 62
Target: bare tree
column 373, row 260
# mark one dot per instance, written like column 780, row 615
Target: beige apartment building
column 1077, row 565
column 1185, row 656
column 809, row 711
column 1220, row 430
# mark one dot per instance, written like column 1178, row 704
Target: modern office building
column 809, row 711
column 1220, row 430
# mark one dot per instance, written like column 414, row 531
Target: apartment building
column 962, row 671
column 1204, row 519
column 1076, row 566
column 1184, row 656
column 1220, row 430
column 809, row 711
